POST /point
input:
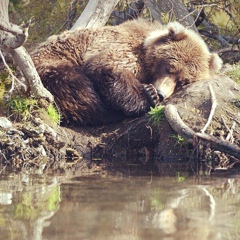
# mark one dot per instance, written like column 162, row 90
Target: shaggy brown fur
column 97, row 75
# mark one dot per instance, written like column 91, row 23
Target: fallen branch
column 183, row 130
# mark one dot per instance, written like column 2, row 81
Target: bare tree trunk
column 12, row 37
column 95, row 14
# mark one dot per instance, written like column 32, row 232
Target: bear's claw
column 152, row 94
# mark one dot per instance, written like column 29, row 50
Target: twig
column 11, row 74
column 230, row 134
column 214, row 105
column 233, row 116
column 3, row 169
column 198, row 14
column 228, row 49
column 224, row 123
column 230, row 131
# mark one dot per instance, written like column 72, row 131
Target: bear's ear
column 177, row 31
column 215, row 63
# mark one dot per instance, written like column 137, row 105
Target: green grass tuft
column 5, row 85
column 2, row 91
column 156, row 114
column 53, row 114
column 21, row 108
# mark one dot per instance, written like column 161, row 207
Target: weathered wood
column 95, row 14
column 177, row 123
column 11, row 35
column 25, row 63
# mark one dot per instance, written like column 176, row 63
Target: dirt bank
column 135, row 145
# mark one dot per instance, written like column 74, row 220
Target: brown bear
column 104, row 75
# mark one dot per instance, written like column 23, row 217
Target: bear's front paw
column 176, row 31
column 152, row 94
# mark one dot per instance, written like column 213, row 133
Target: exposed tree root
column 214, row 105
column 182, row 129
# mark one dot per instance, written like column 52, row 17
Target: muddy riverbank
column 135, row 145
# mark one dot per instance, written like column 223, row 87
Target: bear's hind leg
column 76, row 97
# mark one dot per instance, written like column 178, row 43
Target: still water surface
column 119, row 208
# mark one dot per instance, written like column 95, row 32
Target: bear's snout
column 165, row 86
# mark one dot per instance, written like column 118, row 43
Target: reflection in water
column 25, row 205
column 119, row 208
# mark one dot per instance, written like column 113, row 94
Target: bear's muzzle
column 165, row 86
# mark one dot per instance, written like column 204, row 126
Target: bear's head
column 176, row 56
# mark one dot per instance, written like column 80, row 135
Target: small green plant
column 2, row 91
column 21, row 107
column 179, row 140
column 5, row 84
column 157, row 114
column 53, row 114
